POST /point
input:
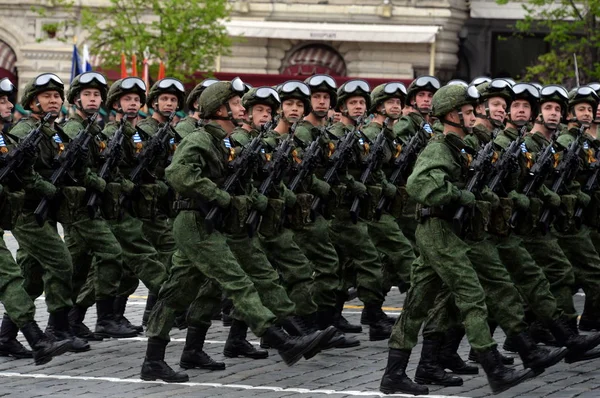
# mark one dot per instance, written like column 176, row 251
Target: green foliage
column 186, row 35
column 571, row 29
column 49, row 8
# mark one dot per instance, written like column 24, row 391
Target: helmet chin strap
column 319, row 114
column 461, row 125
column 423, row 112
column 551, row 127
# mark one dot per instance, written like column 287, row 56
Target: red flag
column 134, row 65
column 161, row 70
column 123, row 66
column 146, row 73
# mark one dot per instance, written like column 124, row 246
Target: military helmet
column 584, row 94
column 529, row 93
column 555, row 93
column 6, row 87
column 496, row 88
column 295, row 89
column 126, row 86
column 196, row 91
column 353, row 88
column 422, row 83
column 218, row 94
column 262, row 95
column 167, row 85
column 44, row 82
column 323, row 83
column 480, row 80
column 449, row 98
column 384, row 92
column 459, row 82
column 87, row 80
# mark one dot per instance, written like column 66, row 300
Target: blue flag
column 75, row 63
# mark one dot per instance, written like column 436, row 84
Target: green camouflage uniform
column 230, row 259
column 445, row 257
column 186, row 126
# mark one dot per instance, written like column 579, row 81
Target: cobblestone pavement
column 112, row 368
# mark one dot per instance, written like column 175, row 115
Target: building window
column 511, row 55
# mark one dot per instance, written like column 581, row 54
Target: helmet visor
column 290, row 87
column 472, row 93
column 317, row 80
column 479, row 80
column 457, row 82
column 427, row 81
column 131, row 82
column 355, row 85
column 595, row 87
column 208, row 82
column 170, row 82
column 526, row 89
column 586, row 92
column 238, row 86
column 266, row 92
column 395, row 88
column 499, row 84
column 6, row 86
column 553, row 89
column 89, row 77
column 46, row 78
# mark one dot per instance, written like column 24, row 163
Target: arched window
column 312, row 59
column 8, row 61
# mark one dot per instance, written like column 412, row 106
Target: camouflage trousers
column 45, row 262
column 159, row 232
column 583, row 256
column 397, row 254
column 547, row 253
column 294, row 268
column 89, row 240
column 17, row 303
column 444, row 260
column 315, row 242
column 251, row 285
column 528, row 277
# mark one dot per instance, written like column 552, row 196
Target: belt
column 189, row 204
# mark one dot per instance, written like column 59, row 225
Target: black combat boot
column 324, row 319
column 80, row 329
column 449, row 358
column 540, row 334
column 537, row 357
column 291, row 348
column 580, row 347
column 506, row 360
column 150, row 302
column 296, row 326
column 9, row 345
column 342, row 323
column 590, row 318
column 237, row 345
column 429, row 370
column 107, row 325
column 120, row 304
column 501, row 378
column 379, row 328
column 226, row 308
column 193, row 356
column 43, row 348
column 312, row 325
column 155, row 367
column 363, row 318
column 58, row 329
column 395, row 380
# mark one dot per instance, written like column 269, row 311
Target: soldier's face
column 423, row 100
column 550, row 111
column 520, row 110
column 320, row 102
column 167, row 103
column 6, row 107
column 393, row 107
column 130, row 103
column 237, row 109
column 356, row 106
column 90, row 99
column 50, row 101
column 497, row 106
column 292, row 109
column 261, row 114
column 468, row 113
column 583, row 112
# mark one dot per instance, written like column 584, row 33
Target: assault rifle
column 372, row 162
column 112, row 158
column 310, row 161
column 590, row 186
column 76, row 150
column 27, row 147
column 508, row 162
column 276, row 169
column 402, row 164
column 339, row 159
column 565, row 173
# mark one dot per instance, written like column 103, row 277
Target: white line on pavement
column 219, row 385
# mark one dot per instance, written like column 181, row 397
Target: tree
column 186, row 35
column 571, row 29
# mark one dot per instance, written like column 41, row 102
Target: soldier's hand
column 223, row 199
column 489, row 196
column 520, row 201
column 550, row 198
column 289, row 197
column 357, row 188
column 95, row 182
column 319, row 188
column 583, row 199
column 127, row 186
column 45, row 188
column 388, row 190
column 163, row 189
column 259, row 201
column 466, row 198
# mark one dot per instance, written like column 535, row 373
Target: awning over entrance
column 337, row 32
column 314, row 59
